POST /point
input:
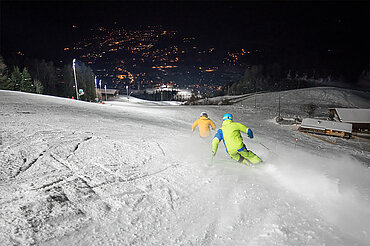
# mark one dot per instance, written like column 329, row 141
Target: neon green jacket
column 230, row 134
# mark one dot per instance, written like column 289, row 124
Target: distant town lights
column 121, row 76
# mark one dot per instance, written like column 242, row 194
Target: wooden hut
column 359, row 118
column 326, row 127
column 107, row 93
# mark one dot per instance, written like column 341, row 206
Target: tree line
column 43, row 77
column 273, row 77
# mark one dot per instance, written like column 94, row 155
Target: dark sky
column 42, row 29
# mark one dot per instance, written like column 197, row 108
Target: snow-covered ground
column 131, row 172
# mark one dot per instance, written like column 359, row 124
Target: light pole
column 74, row 72
column 105, row 89
column 96, row 89
column 100, row 90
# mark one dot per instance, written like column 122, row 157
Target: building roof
column 353, row 115
column 326, row 125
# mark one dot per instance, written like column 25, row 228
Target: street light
column 105, row 89
column 96, row 89
column 74, row 72
column 100, row 90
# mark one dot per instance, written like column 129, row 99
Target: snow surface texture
column 131, row 172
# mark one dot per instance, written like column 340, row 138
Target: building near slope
column 326, row 127
column 359, row 118
column 183, row 95
column 163, row 94
column 107, row 93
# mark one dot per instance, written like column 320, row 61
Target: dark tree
column 68, row 81
column 86, row 81
column 45, row 72
column 38, row 86
column 16, row 78
column 26, row 82
column 5, row 82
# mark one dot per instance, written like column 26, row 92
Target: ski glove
column 250, row 133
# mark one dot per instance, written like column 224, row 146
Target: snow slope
column 132, row 173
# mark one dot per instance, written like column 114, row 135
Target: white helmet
column 203, row 114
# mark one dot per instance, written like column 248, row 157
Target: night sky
column 42, row 29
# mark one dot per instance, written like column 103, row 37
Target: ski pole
column 265, row 147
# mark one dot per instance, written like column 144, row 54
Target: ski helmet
column 227, row 117
column 203, row 114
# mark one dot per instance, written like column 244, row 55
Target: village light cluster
column 134, row 58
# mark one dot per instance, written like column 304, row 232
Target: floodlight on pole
column 105, row 89
column 101, row 97
column 96, row 89
column 74, row 72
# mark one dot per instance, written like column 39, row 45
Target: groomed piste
column 131, row 172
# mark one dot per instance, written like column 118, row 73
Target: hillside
column 131, row 172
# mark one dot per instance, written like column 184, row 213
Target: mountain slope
column 77, row 173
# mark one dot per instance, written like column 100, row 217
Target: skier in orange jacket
column 204, row 124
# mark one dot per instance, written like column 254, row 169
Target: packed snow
column 131, row 172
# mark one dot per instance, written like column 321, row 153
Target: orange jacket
column 204, row 123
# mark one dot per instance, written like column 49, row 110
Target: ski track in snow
column 126, row 173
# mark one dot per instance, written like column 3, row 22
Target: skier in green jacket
column 230, row 134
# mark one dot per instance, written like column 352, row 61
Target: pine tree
column 45, row 72
column 16, row 78
column 26, row 83
column 68, row 81
column 5, row 83
column 85, row 81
